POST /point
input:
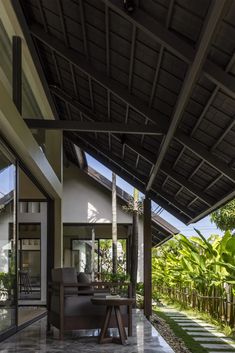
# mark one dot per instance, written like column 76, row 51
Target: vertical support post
column 93, row 254
column 54, row 151
column 147, row 258
column 58, row 239
column 114, row 222
column 54, row 154
column 17, row 73
column 17, row 99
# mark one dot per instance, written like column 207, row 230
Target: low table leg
column 121, row 328
column 129, row 320
column 103, row 338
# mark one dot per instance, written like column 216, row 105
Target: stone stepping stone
column 167, row 311
column 209, row 329
column 218, row 346
column 193, row 324
column 188, row 320
column 174, row 314
column 177, row 316
column 206, row 334
column 214, row 339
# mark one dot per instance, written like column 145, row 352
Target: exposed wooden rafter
column 187, row 142
column 175, row 44
column 102, row 127
column 80, row 62
column 215, row 13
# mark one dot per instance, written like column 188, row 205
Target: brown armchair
column 70, row 307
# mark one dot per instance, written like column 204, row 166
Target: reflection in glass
column 29, row 261
column 82, row 254
column 7, row 243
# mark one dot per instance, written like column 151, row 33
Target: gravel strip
column 176, row 343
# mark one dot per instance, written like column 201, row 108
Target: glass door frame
column 4, row 145
column 8, row 153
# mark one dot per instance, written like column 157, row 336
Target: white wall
column 85, row 201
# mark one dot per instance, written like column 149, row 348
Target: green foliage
column 140, row 288
column 106, row 260
column 224, row 218
column 7, row 281
column 201, row 265
column 116, row 277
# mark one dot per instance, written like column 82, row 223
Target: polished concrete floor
column 34, row 339
column 27, row 313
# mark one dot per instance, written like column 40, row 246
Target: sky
column 204, row 226
column 7, row 180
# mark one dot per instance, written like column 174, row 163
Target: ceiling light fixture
column 129, row 5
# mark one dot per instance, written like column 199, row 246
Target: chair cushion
column 81, row 306
column 66, row 275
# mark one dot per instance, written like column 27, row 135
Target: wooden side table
column 110, row 305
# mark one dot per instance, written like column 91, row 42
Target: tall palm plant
column 114, row 222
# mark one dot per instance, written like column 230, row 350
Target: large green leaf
column 230, row 245
column 208, row 245
column 224, row 240
column 228, row 266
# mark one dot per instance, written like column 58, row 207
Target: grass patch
column 192, row 345
column 223, row 328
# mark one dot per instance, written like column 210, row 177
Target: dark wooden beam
column 228, row 197
column 147, row 258
column 36, row 58
column 155, row 30
column 204, row 154
column 211, row 22
column 175, row 44
column 148, row 156
column 181, row 137
column 191, row 187
column 84, row 66
column 173, row 201
column 17, row 72
column 82, row 126
column 56, row 91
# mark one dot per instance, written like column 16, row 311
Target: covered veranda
column 148, row 90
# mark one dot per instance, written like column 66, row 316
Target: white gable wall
column 85, row 201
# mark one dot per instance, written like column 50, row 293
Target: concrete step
column 206, row 334
column 220, row 347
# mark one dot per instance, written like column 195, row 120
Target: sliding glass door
column 7, row 242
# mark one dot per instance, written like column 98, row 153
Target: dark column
column 17, row 99
column 17, row 73
column 147, row 258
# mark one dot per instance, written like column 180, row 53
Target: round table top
column 112, row 301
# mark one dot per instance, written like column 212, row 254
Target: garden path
column 205, row 334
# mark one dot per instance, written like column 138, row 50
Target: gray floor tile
column 34, row 339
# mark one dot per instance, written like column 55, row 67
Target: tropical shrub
column 224, row 218
column 198, row 272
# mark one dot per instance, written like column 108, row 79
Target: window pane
column 7, row 243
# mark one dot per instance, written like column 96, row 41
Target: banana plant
column 198, row 265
